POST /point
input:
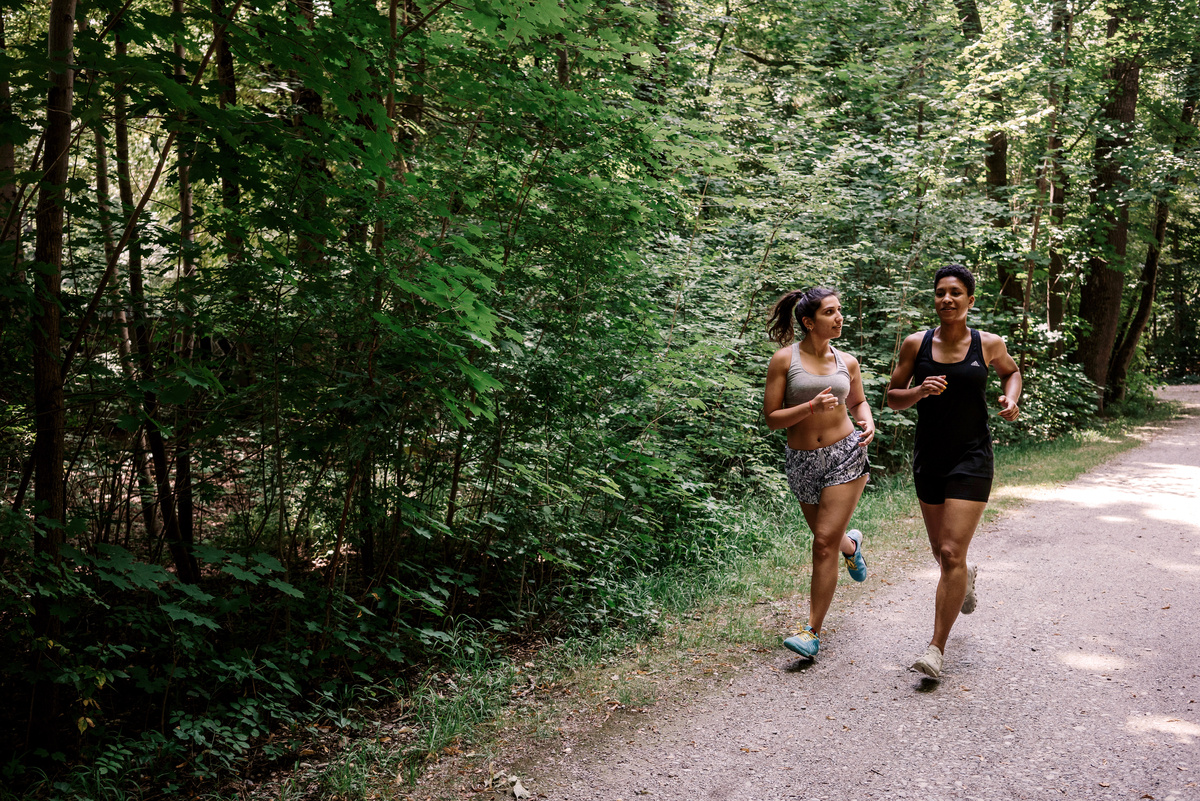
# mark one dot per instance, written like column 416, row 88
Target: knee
column 825, row 546
column 951, row 555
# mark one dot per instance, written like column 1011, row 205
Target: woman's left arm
column 856, row 402
column 996, row 353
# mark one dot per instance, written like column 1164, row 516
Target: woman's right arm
column 778, row 416
column 900, row 395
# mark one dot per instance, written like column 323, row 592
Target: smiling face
column 826, row 322
column 951, row 300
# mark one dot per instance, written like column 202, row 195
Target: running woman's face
column 951, row 300
column 826, row 322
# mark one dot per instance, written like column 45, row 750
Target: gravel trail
column 1078, row 676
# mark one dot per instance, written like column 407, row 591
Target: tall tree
column 995, row 157
column 49, row 402
column 312, row 167
column 143, row 345
column 8, row 166
column 1059, row 95
column 227, row 98
column 120, row 319
column 11, row 272
column 1100, row 297
column 185, row 506
column 1118, row 372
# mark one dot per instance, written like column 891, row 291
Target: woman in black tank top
column 944, row 373
column 952, row 429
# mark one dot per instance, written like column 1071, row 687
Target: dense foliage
column 354, row 331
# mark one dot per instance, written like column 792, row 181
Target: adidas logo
column 974, row 364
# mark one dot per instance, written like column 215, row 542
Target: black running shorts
column 935, row 489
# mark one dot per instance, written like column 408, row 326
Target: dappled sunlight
column 1185, row 732
column 1095, row 663
column 1185, row 472
column 1175, row 479
column 1092, row 496
column 1025, row 492
column 1177, row 516
column 1182, row 569
column 1176, row 501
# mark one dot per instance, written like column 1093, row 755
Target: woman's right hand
column 824, row 402
column 933, row 385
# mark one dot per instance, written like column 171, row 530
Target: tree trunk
column 8, row 185
column 995, row 160
column 1060, row 28
column 121, row 324
column 313, row 167
column 231, row 190
column 412, row 109
column 125, row 191
column 49, row 442
column 185, row 509
column 1100, row 297
column 1178, row 305
column 185, row 563
column 1118, row 371
column 227, row 97
column 712, row 60
column 231, row 183
column 13, row 311
column 1126, row 343
column 563, row 58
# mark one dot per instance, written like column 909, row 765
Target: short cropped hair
column 956, row 271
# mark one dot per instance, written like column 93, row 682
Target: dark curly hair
column 794, row 306
column 956, row 271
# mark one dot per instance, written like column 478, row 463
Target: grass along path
column 464, row 732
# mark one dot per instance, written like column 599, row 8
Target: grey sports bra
column 803, row 386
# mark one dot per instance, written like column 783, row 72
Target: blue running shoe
column 806, row 643
column 856, row 565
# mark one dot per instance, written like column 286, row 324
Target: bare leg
column 950, row 526
column 828, row 520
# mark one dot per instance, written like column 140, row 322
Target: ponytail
column 780, row 327
column 795, row 305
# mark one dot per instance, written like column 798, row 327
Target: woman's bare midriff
column 820, row 430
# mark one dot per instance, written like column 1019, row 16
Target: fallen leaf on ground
column 519, row 791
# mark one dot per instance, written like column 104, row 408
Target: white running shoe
column 931, row 663
column 969, row 600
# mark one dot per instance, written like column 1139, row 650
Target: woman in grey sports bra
column 813, row 390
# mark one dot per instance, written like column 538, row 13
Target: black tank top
column 952, row 428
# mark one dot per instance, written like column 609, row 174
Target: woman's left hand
column 868, row 432
column 1008, row 408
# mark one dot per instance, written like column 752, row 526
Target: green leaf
column 176, row 612
column 285, row 588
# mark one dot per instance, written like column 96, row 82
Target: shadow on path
column 1077, row 677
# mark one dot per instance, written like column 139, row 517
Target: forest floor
column 1078, row 676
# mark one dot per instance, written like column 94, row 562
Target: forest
column 339, row 334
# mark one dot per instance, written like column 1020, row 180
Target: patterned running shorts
column 809, row 472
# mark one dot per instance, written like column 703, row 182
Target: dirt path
column 1077, row 677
